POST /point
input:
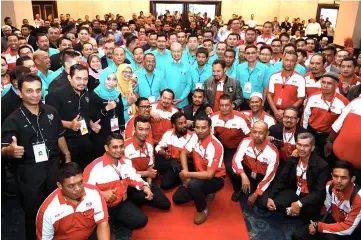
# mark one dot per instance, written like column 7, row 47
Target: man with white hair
column 177, row 76
column 4, row 40
column 324, row 42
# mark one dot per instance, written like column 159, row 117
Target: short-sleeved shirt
column 141, row 156
column 160, row 127
column 263, row 38
column 207, row 154
column 11, row 58
column 59, row 219
column 200, row 76
column 149, row 85
column 286, row 91
column 51, row 51
column 174, row 143
column 267, row 118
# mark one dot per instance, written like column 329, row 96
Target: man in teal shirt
column 42, row 62
column 231, row 63
column 149, row 79
column 279, row 66
column 43, row 43
column 201, row 71
column 162, row 54
column 189, row 54
column 131, row 42
column 177, row 76
column 252, row 75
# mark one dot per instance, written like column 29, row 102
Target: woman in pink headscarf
column 143, row 40
column 348, row 44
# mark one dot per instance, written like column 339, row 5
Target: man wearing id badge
column 201, row 71
column 33, row 136
column 300, row 185
column 72, row 103
column 252, row 76
column 255, row 163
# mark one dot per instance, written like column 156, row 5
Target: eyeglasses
column 146, row 107
column 289, row 118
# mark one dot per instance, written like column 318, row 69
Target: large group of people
column 100, row 116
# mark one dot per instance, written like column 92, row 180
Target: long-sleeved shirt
column 313, row 29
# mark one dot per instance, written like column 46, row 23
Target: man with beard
column 231, row 63
column 250, row 36
column 152, row 43
column 196, row 109
column 207, row 179
column 276, row 51
column 255, row 164
column 11, row 53
column 149, row 79
column 167, row 161
column 348, row 78
column 313, row 77
column 63, row 215
column 267, row 35
column 43, row 43
column 201, row 71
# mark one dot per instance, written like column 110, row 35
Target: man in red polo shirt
column 11, row 54
column 207, row 179
column 112, row 174
column 322, row 109
column 287, row 87
column 348, row 78
column 255, row 163
column 73, row 210
column 140, row 152
column 167, row 160
column 230, row 127
column 161, row 113
column 143, row 108
column 312, row 78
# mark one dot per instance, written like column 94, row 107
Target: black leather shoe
column 236, row 196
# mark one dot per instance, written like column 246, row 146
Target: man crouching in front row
column 207, row 179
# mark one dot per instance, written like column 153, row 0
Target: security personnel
column 322, row 109
column 120, row 174
column 252, row 76
column 150, row 80
column 34, row 134
column 255, row 163
column 75, row 210
column 200, row 71
column 72, row 103
column 207, row 179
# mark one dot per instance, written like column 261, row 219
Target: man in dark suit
column 25, row 31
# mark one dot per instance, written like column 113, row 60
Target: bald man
column 255, row 164
column 42, row 62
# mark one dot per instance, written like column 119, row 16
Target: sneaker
column 201, row 216
column 210, row 197
column 236, row 196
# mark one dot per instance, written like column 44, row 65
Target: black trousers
column 197, row 190
column 98, row 142
column 35, row 182
column 81, row 149
column 159, row 200
column 303, row 233
column 284, row 200
column 128, row 215
column 235, row 179
column 320, row 139
column 170, row 169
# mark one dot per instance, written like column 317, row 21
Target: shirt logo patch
column 230, row 89
column 89, row 204
column 69, row 101
column 51, row 116
column 87, row 99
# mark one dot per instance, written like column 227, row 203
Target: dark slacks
column 128, row 215
column 159, row 200
column 35, row 182
column 197, row 190
column 235, row 179
column 81, row 150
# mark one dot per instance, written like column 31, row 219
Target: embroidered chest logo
column 87, row 99
column 50, row 117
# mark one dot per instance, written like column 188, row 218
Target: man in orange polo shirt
column 312, row 78
column 287, row 87
column 230, row 127
column 209, row 171
column 73, row 210
column 112, row 173
column 348, row 78
column 140, row 152
column 322, row 109
column 161, row 113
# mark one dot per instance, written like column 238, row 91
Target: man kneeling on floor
column 202, row 184
column 112, row 173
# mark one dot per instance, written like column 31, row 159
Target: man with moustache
column 43, row 43
column 313, row 77
column 201, row 71
column 196, row 109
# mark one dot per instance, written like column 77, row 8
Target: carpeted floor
column 225, row 222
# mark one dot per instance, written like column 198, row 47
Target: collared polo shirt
column 103, row 174
column 257, row 78
column 232, row 72
column 286, row 91
column 189, row 59
column 11, row 58
column 321, row 113
column 141, row 157
column 159, row 128
column 45, row 82
column 129, row 129
column 161, row 59
column 299, row 68
column 129, row 55
column 149, row 85
column 59, row 219
column 51, row 51
column 232, row 131
column 265, row 39
column 355, row 81
column 174, row 143
column 264, row 162
column 267, row 118
column 313, row 84
column 207, row 154
column 200, row 76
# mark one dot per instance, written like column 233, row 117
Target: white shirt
column 313, row 29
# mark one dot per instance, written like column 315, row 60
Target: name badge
column 151, row 99
column 40, row 152
column 298, row 192
column 279, row 101
column 83, row 127
column 114, row 125
column 248, row 87
column 253, row 175
column 199, row 86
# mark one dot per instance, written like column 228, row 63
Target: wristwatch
column 315, row 225
column 299, row 203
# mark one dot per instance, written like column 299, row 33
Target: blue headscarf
column 102, row 91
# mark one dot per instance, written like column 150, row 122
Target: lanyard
column 200, row 74
column 284, row 81
column 300, row 179
column 329, row 106
column 150, row 84
column 189, row 61
column 285, row 140
column 250, row 74
column 79, row 107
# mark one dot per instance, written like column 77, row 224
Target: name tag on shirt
column 298, row 192
column 151, row 99
column 253, row 175
column 114, row 125
column 279, row 101
column 199, row 86
column 40, row 152
column 83, row 127
column 248, row 87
